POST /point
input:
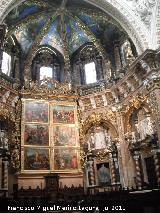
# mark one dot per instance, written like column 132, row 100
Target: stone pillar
column 156, row 157
column 137, row 80
column 17, row 71
column 0, row 172
column 117, row 57
column 104, row 100
column 93, row 103
column 99, row 69
column 115, row 96
column 154, row 101
column 123, row 150
column 2, row 35
column 137, row 158
column 130, row 85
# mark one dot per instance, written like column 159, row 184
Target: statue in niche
column 91, row 142
column 107, row 137
column 129, row 57
column 5, row 97
column 100, row 142
column 14, row 101
column 99, row 138
column 144, row 125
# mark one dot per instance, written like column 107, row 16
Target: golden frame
column 36, row 127
column 51, row 147
column 64, row 104
column 39, row 149
column 24, row 105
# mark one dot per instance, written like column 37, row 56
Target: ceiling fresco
column 28, row 20
column 21, row 12
column 26, row 35
column 53, row 37
column 75, row 36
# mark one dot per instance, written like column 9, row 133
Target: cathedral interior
column 80, row 105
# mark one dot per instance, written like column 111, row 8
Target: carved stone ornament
column 133, row 104
column 46, row 88
column 143, row 8
column 13, row 120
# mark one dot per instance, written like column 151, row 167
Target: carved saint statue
column 14, row 101
column 129, row 57
column 100, row 142
column 145, row 127
column 99, row 138
column 5, row 97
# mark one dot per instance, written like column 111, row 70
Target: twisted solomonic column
column 5, row 175
column 113, row 172
column 136, row 157
column 90, row 173
column 157, row 165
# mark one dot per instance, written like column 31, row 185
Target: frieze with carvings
column 47, row 89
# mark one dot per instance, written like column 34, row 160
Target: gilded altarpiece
column 50, row 137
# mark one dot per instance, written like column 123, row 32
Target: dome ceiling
column 62, row 25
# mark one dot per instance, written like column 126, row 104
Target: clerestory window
column 46, row 72
column 6, row 64
column 90, row 73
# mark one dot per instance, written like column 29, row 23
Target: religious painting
column 36, row 135
column 65, row 159
column 36, row 159
column 63, row 114
column 103, row 174
column 98, row 138
column 64, row 136
column 36, row 112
